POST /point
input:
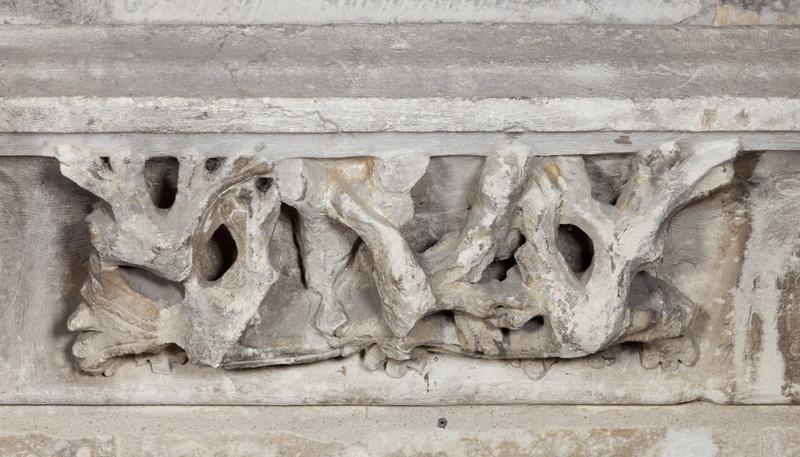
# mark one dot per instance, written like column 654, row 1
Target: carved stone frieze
column 243, row 262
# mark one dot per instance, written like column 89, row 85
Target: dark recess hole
column 161, row 177
column 263, row 184
column 576, row 247
column 294, row 217
column 633, row 346
column 441, row 423
column 447, row 315
column 219, row 255
column 534, row 324
column 106, row 161
column 608, row 175
column 498, row 269
column 214, row 163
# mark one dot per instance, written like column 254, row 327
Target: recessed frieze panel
column 242, row 262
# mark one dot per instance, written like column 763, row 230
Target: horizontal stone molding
column 379, row 144
column 334, row 115
column 398, row 61
column 651, row 12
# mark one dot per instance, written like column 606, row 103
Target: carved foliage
column 255, row 263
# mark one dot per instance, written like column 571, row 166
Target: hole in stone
column 213, row 163
column 161, row 177
column 106, row 161
column 294, row 218
column 445, row 315
column 442, row 199
column 608, row 174
column 534, row 324
column 631, row 346
column 441, row 423
column 263, row 184
column 576, row 247
column 498, row 270
column 219, row 255
column 177, row 356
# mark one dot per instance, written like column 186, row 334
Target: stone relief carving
column 244, row 262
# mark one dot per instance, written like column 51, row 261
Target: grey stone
column 507, row 222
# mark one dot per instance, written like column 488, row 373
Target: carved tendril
column 360, row 280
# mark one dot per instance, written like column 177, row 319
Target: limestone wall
column 399, row 228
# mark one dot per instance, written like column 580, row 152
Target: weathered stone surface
column 698, row 430
column 28, row 444
column 278, row 146
column 343, row 115
column 702, row 246
column 346, row 217
column 444, row 204
column 502, row 204
column 399, row 61
column 650, row 12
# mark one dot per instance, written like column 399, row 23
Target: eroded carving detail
column 252, row 263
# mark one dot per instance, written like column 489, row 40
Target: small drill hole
column 106, row 161
column 441, row 423
column 263, row 184
column 214, row 163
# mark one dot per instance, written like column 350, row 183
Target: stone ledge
column 278, row 146
column 699, row 430
column 649, row 12
column 381, row 11
column 336, row 115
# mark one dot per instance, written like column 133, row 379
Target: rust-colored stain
column 553, row 172
column 137, row 310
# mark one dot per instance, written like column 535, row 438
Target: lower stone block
column 40, row 444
